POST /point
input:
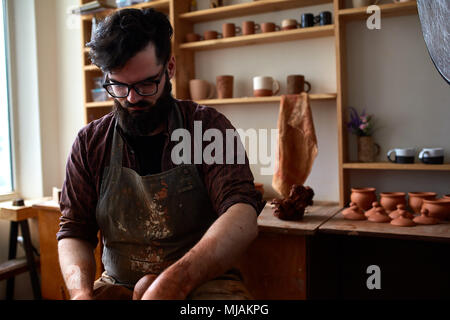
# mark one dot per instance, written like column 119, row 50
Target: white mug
column 265, row 86
column 402, row 155
column 432, row 155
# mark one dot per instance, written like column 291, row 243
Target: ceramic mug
column 265, row 86
column 323, row 18
column 402, row 155
column 230, row 30
column 269, row 27
column 296, row 84
column 201, row 89
column 432, row 155
column 288, row 24
column 211, row 34
column 250, row 27
column 224, row 85
column 192, row 37
column 307, row 20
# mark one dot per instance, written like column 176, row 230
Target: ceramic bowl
column 439, row 208
column 363, row 197
column 416, row 198
column 390, row 200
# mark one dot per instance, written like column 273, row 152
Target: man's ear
column 171, row 67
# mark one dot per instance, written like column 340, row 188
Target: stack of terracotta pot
column 421, row 208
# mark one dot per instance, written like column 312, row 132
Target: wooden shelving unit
column 183, row 22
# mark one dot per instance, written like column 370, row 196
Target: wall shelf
column 387, row 10
column 396, row 166
column 245, row 9
column 256, row 100
column 261, row 38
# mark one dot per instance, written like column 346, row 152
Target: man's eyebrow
column 146, row 79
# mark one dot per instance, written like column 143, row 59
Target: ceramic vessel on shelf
column 424, row 218
column 375, row 206
column 401, row 209
column 353, row 212
column 438, row 208
column 368, row 150
column 379, row 216
column 403, row 220
column 416, row 199
column 390, row 200
column 363, row 197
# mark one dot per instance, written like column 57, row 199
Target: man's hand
column 165, row 287
column 142, row 285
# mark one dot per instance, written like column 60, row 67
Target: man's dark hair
column 122, row 35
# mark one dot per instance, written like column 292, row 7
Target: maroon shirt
column 227, row 184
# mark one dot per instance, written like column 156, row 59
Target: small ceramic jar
column 416, row 198
column 439, row 208
column 363, row 197
column 390, row 200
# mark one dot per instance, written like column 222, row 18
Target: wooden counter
column 276, row 264
column 338, row 225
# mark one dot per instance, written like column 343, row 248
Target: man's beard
column 142, row 123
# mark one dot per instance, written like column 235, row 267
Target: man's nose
column 133, row 97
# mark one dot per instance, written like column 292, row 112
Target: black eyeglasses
column 143, row 88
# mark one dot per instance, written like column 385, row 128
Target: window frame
column 7, row 36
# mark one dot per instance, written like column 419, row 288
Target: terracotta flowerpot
column 363, row 197
column 390, row 200
column 367, row 149
column 439, row 208
column 416, row 198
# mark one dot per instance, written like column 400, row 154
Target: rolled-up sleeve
column 78, row 196
column 229, row 183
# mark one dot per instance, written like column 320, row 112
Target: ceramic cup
column 432, row 155
column 415, row 199
column 224, row 85
column 390, row 200
column 265, row 86
column 402, row 155
column 230, row 30
column 288, row 24
column 269, row 27
column 323, row 18
column 211, row 34
column 362, row 3
column 201, row 89
column 307, row 20
column 192, row 37
column 250, row 27
column 296, row 84
column 363, row 197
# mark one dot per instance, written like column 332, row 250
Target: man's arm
column 224, row 242
column 76, row 258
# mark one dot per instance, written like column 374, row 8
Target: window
column 6, row 172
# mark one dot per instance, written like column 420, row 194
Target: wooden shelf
column 245, row 9
column 396, row 166
column 100, row 104
column 261, row 38
column 91, row 68
column 387, row 10
column 255, row 100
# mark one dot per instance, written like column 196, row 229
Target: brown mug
column 296, row 84
column 224, row 85
column 250, row 27
column 201, row 89
column 211, row 34
column 269, row 27
column 192, row 37
column 230, row 30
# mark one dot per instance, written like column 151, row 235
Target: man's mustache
column 140, row 104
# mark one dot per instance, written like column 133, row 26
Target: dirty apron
column 149, row 222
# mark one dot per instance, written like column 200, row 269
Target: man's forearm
column 224, row 242
column 76, row 258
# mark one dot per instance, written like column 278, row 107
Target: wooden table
column 53, row 287
column 276, row 265
column 414, row 261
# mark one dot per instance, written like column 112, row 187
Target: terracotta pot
column 363, row 197
column 224, row 85
column 416, row 198
column 367, row 149
column 390, row 200
column 425, row 219
column 353, row 212
column 379, row 216
column 439, row 208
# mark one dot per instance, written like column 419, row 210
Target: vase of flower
column 362, row 126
